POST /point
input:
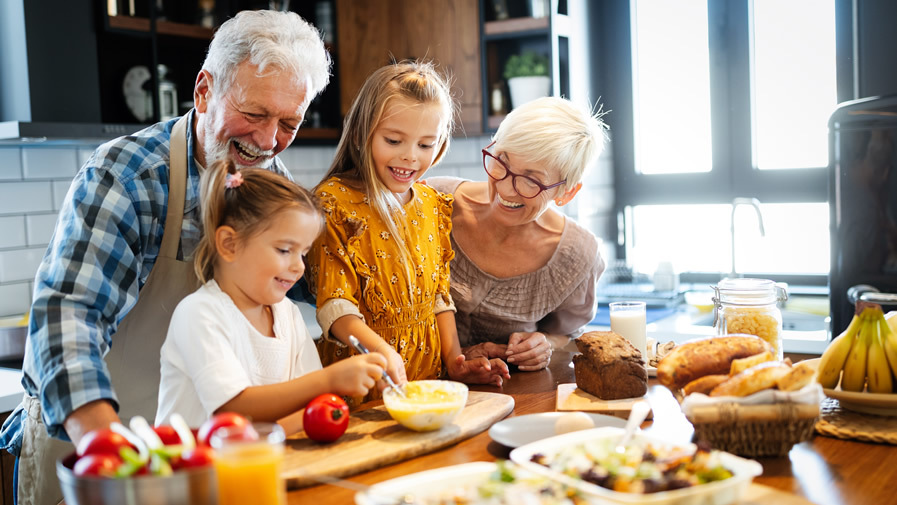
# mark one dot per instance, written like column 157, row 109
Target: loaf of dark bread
column 609, row 367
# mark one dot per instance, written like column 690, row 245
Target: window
column 794, row 81
column 718, row 100
column 670, row 68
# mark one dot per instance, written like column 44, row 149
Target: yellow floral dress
column 356, row 260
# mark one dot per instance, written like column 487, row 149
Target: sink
column 791, row 321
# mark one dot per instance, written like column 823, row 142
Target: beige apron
column 133, row 359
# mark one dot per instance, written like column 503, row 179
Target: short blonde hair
column 555, row 132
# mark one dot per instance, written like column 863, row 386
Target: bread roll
column 704, row 384
column 756, row 378
column 740, row 365
column 800, row 375
column 706, row 356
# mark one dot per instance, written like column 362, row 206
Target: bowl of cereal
column 427, row 405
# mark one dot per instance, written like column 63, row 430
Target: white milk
column 630, row 324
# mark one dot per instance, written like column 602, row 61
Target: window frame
column 733, row 174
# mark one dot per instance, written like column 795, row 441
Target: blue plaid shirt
column 106, row 242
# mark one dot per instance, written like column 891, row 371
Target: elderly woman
column 523, row 273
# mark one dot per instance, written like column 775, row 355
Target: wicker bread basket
column 754, row 430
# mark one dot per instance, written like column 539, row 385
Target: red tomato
column 168, row 435
column 97, row 465
column 102, row 441
column 200, row 456
column 326, row 418
column 222, row 420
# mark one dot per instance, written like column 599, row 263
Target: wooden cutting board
column 570, row 397
column 373, row 440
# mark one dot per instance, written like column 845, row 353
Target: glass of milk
column 627, row 319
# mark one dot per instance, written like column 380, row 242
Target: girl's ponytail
column 212, row 206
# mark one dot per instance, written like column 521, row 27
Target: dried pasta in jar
column 755, row 321
column 750, row 306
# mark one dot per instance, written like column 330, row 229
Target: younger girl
column 380, row 271
column 237, row 344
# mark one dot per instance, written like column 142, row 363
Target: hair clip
column 233, row 180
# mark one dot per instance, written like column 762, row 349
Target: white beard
column 220, row 150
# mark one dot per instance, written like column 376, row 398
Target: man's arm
column 92, row 416
column 88, row 279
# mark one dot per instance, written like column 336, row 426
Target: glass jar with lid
column 749, row 306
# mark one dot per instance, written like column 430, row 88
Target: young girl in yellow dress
column 380, row 270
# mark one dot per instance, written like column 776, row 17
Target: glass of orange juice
column 248, row 468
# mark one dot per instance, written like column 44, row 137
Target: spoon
column 363, row 350
column 637, row 415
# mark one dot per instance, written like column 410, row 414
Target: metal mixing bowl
column 185, row 487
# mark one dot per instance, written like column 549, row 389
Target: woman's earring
column 558, row 201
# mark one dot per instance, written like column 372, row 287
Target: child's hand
column 486, row 350
column 356, row 375
column 529, row 351
column 395, row 365
column 478, row 370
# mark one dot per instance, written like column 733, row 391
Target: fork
column 362, row 349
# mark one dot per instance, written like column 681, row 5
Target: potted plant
column 527, row 75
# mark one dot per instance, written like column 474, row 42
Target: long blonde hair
column 247, row 207
column 415, row 81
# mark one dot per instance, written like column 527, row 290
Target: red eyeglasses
column 525, row 186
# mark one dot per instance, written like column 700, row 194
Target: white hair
column 555, row 132
column 270, row 40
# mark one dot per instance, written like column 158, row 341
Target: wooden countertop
column 825, row 470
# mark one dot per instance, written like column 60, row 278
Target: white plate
column 433, row 485
column 522, row 430
column 867, row 403
column 722, row 492
column 426, row 484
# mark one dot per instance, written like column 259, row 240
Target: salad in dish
column 638, row 468
column 508, row 485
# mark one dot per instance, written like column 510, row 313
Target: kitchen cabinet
column 177, row 35
column 372, row 34
column 557, row 29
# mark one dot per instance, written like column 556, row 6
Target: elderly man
column 118, row 262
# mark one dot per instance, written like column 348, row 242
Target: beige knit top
column 559, row 298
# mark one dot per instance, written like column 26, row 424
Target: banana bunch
column 864, row 357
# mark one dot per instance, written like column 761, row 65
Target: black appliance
column 862, row 201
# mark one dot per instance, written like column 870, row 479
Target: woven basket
column 754, row 430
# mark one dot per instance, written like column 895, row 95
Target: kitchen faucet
column 735, row 203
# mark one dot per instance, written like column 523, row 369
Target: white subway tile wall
column 39, row 228
column 12, row 232
column 10, row 164
column 15, row 298
column 50, row 162
column 34, row 181
column 60, row 189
